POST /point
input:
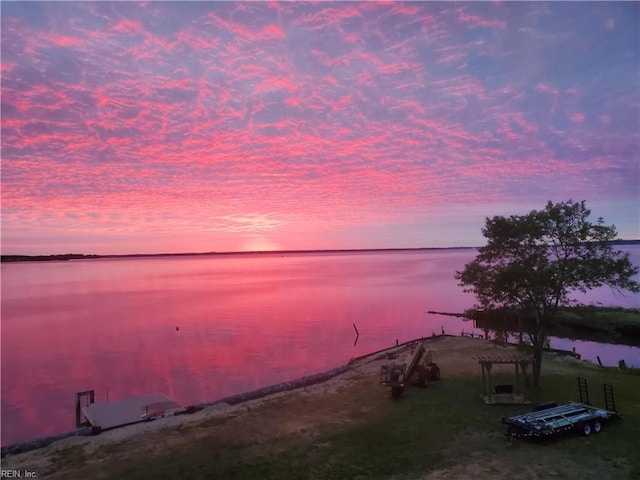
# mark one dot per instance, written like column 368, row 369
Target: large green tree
column 533, row 263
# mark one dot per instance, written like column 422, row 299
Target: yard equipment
column 418, row 368
column 424, row 371
column 393, row 376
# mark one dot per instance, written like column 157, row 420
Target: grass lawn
column 349, row 427
column 444, row 431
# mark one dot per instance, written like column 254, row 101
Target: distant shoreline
column 80, row 256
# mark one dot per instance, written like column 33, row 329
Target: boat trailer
column 552, row 420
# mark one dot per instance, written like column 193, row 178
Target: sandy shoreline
column 225, row 402
column 454, row 355
column 301, row 382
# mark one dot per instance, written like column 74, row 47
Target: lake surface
column 202, row 328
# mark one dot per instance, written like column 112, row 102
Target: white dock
column 105, row 415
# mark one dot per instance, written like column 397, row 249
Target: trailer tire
column 585, row 429
column 596, row 427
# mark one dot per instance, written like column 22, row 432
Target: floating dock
column 106, row 415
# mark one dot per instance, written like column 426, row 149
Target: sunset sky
column 191, row 127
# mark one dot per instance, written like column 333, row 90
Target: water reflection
column 244, row 321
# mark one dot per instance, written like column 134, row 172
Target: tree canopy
column 535, row 261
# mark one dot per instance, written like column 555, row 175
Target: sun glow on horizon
column 260, row 244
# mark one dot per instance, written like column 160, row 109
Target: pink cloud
column 331, row 80
column 461, row 86
column 6, row 67
column 357, row 115
column 351, row 37
column 365, row 79
column 407, row 9
column 128, row 26
column 550, row 91
column 478, row 21
column 329, row 16
column 577, row 117
column 272, row 31
column 293, row 101
column 542, row 87
column 65, row 41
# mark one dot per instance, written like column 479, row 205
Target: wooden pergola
column 505, row 394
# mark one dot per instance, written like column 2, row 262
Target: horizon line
column 71, row 256
column 239, row 252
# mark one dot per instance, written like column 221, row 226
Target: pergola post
column 520, row 363
column 524, row 366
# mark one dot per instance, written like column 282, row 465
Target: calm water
column 202, row 328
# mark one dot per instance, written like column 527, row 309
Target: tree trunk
column 538, row 345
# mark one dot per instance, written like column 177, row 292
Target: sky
column 230, row 126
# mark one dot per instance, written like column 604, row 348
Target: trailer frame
column 556, row 420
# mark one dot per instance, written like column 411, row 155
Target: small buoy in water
column 177, row 328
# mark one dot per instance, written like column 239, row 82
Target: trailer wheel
column 596, row 427
column 585, row 429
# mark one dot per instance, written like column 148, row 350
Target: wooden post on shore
column 79, row 395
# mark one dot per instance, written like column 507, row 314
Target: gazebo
column 504, row 394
